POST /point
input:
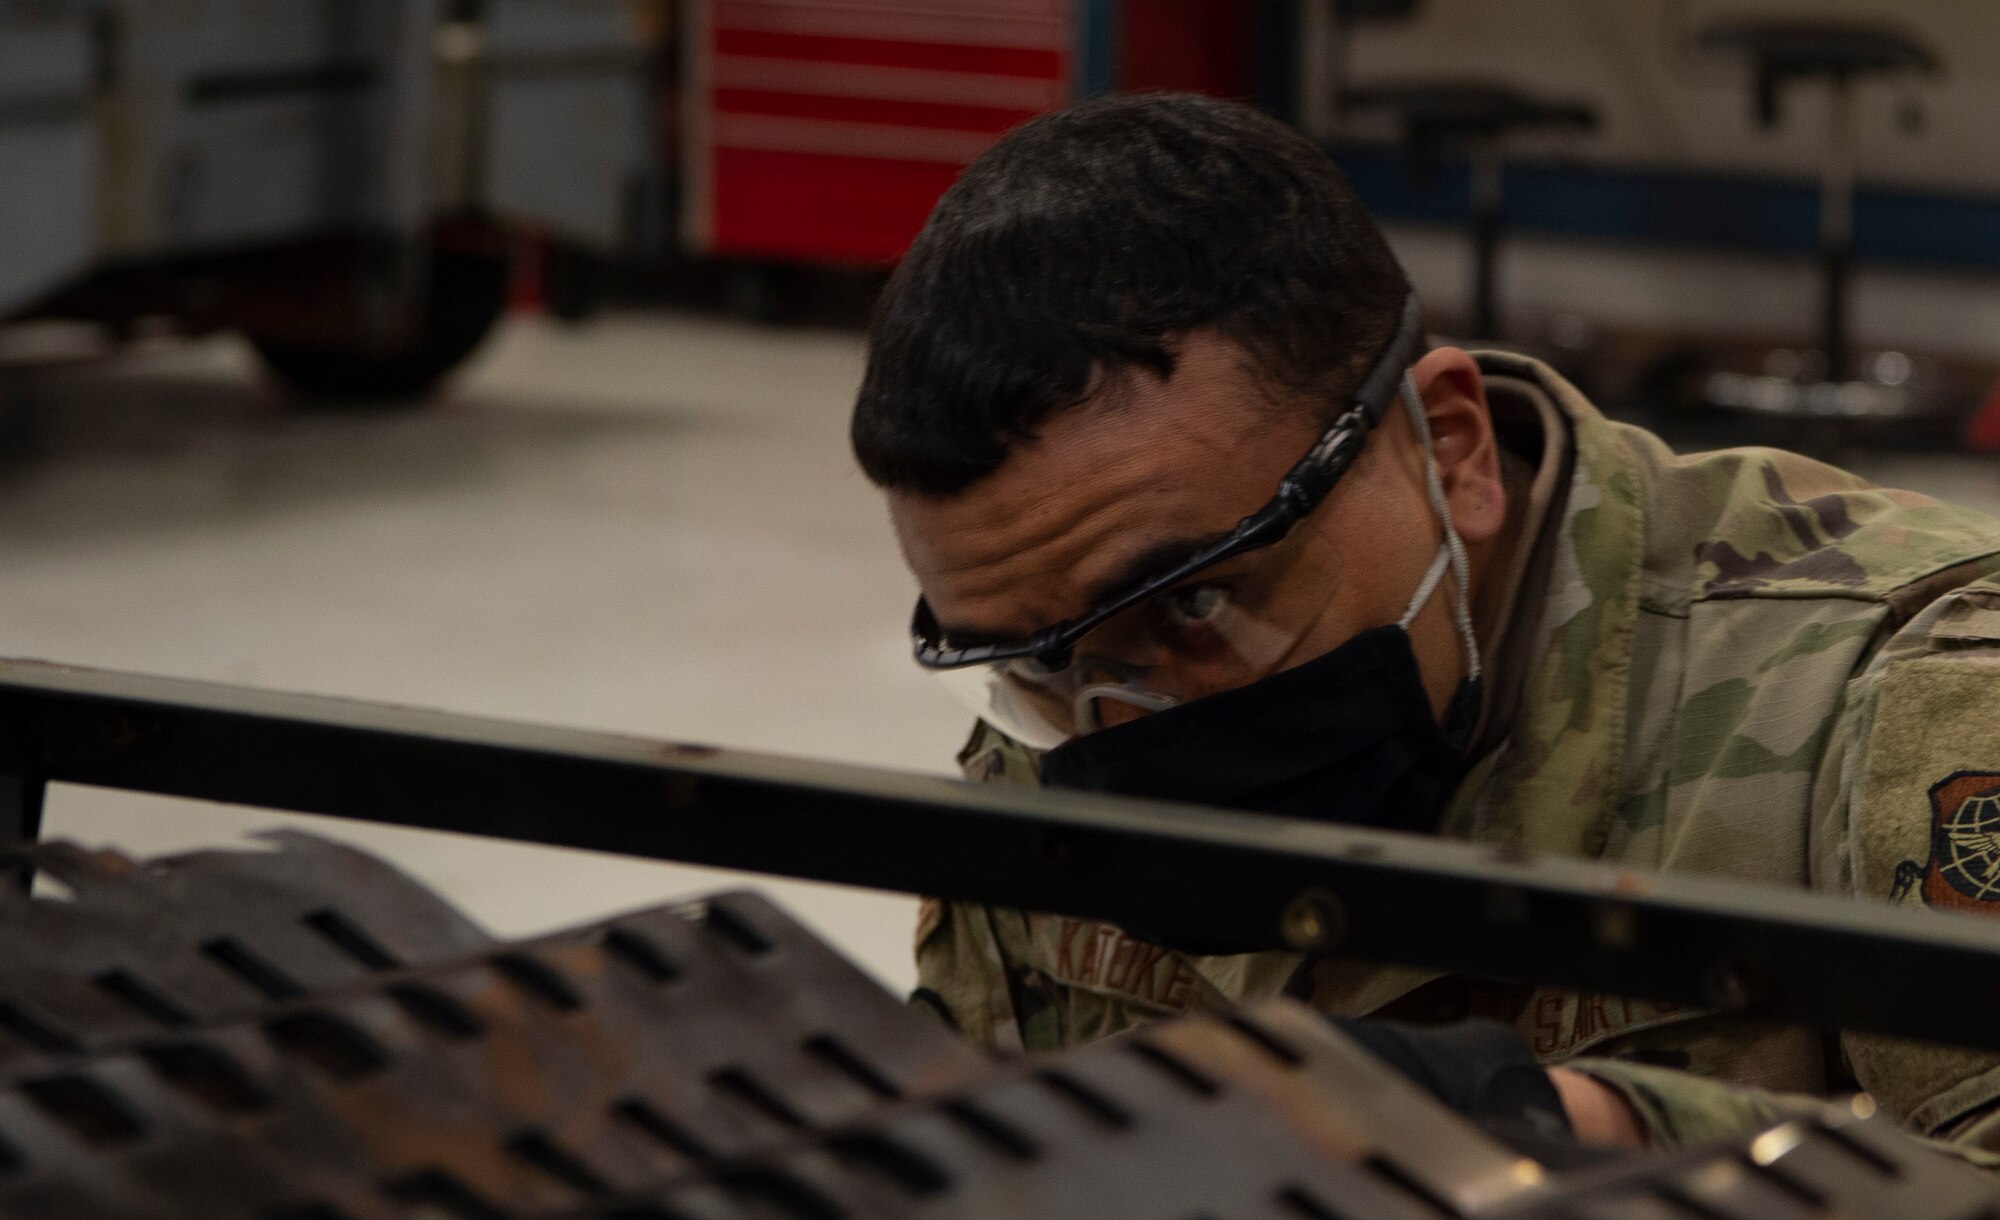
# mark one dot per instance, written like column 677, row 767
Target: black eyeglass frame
column 1301, row 491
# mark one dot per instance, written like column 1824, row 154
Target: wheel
column 466, row 295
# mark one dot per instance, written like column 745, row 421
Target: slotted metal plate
column 135, row 949
column 1272, row 1114
column 524, row 1080
column 305, row 1034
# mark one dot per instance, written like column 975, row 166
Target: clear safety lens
column 1190, row 641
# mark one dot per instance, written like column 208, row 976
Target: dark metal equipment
column 347, row 1045
column 1182, row 875
column 304, row 1034
column 307, row 1035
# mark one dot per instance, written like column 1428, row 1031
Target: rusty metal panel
column 1843, row 1161
column 1271, row 1114
column 132, row 950
column 1268, row 1114
column 522, row 1079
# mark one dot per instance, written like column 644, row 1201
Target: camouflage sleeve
column 1905, row 791
column 961, row 974
column 1019, row 980
column 1680, row 1108
column 1911, row 815
column 960, row 977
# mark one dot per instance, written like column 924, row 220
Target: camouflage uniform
column 1742, row 663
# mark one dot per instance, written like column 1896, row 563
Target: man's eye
column 1193, row 603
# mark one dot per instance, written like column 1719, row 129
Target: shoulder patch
column 1963, row 871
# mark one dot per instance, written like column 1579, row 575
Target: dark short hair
column 1092, row 240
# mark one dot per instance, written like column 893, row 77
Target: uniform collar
column 1563, row 661
column 1530, row 428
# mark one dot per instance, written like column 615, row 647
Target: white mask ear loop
column 1425, row 587
column 1454, row 548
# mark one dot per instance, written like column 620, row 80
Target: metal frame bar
column 1200, row 878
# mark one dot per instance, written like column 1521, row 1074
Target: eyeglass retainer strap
column 1379, row 388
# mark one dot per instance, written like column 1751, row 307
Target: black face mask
column 1347, row 738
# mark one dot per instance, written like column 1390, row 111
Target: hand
column 1598, row 1113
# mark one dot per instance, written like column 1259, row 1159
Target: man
column 1196, row 512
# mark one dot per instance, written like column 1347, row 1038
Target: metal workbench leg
column 21, row 796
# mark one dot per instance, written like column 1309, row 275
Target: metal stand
column 1184, row 876
column 22, row 794
column 1836, row 228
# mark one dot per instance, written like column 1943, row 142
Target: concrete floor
column 648, row 525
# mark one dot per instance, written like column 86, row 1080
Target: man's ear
column 1468, row 456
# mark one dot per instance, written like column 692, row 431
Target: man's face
column 1149, row 467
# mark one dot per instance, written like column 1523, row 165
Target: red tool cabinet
column 823, row 131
